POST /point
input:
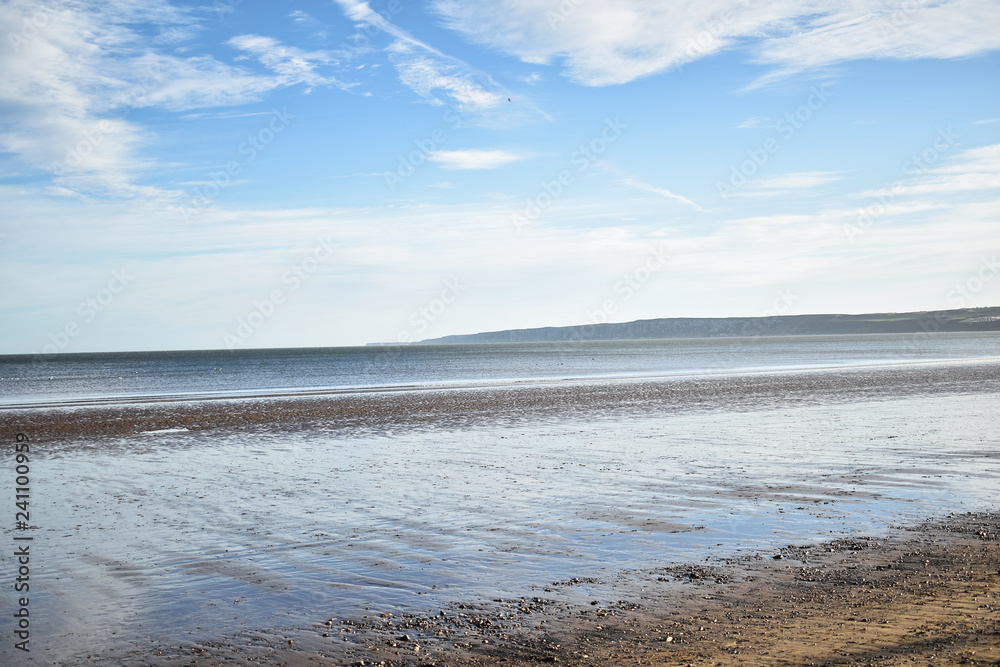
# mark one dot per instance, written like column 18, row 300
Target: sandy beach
column 799, row 517
column 928, row 593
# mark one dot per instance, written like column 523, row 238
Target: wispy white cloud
column 219, row 115
column 437, row 77
column 58, row 88
column 179, row 84
column 68, row 89
column 425, row 73
column 603, row 42
column 848, row 30
column 795, row 182
column 474, row 158
column 626, row 180
column 971, row 170
column 291, row 64
column 663, row 192
column 427, row 70
column 755, row 122
column 731, row 267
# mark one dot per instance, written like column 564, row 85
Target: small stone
column 669, row 639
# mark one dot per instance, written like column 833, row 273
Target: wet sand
column 928, row 593
column 371, row 411
column 580, row 522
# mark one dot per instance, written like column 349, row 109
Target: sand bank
column 458, row 406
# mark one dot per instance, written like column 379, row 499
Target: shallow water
column 181, row 536
column 108, row 377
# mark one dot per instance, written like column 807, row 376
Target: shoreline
column 292, row 512
column 463, row 406
column 929, row 591
column 470, row 385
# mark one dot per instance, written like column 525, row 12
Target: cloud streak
column 974, row 169
column 474, row 158
column 606, row 42
column 796, row 182
column 290, row 64
column 426, row 70
column 662, row 192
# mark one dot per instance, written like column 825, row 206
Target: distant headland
column 963, row 319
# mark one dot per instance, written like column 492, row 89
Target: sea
column 172, row 537
column 27, row 380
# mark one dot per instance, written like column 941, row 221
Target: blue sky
column 269, row 174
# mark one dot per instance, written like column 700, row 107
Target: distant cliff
column 966, row 319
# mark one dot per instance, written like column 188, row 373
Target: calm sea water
column 86, row 377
